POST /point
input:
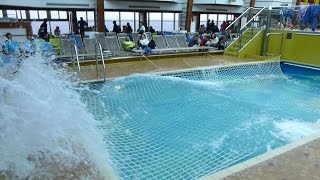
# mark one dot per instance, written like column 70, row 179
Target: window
column 221, row 18
column 136, row 21
column 63, row 15
column 155, row 21
column 42, row 14
column 109, row 17
column 177, row 21
column 168, row 21
column 82, row 14
column 23, row 14
column 203, row 19
column 214, row 18
column 63, row 25
column 127, row 17
column 54, row 14
column 33, row 14
column 90, row 18
column 12, row 13
column 35, row 26
column 230, row 17
column 1, row 14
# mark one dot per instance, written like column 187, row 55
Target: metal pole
column 265, row 40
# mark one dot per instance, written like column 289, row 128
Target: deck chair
column 114, row 46
column 182, row 41
column 135, row 37
column 66, row 46
column 100, row 39
column 160, row 43
column 111, row 34
column 122, row 35
column 171, row 41
column 90, row 46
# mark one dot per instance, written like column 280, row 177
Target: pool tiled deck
column 296, row 161
column 119, row 69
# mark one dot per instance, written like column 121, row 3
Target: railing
column 232, row 32
column 281, row 40
column 98, row 49
column 74, row 52
column 253, row 27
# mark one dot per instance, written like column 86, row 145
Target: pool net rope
column 178, row 125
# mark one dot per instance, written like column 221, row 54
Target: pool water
column 164, row 127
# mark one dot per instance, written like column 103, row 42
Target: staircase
column 248, row 30
column 235, row 47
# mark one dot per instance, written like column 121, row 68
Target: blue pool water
column 163, row 127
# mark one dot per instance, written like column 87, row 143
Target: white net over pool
column 187, row 124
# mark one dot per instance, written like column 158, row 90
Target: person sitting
column 194, row 41
column 10, row 47
column 221, row 43
column 213, row 42
column 143, row 43
column 204, row 40
column 128, row 29
column 141, row 29
column 57, row 31
column 152, row 30
column 127, row 44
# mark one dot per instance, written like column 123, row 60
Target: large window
column 177, row 21
column 90, row 18
column 1, row 14
column 34, row 14
column 127, row 17
column 168, row 21
column 155, row 21
column 12, row 13
column 42, row 14
column 63, row 26
column 217, row 18
column 109, row 17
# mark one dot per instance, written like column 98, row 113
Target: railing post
column 265, row 40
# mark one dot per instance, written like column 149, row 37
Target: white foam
column 294, row 130
column 46, row 131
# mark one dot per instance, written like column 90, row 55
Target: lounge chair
column 160, row 43
column 114, row 46
column 171, row 41
column 110, row 34
column 100, row 39
column 122, row 35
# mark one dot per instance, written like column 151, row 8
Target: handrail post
column 99, row 48
column 265, row 41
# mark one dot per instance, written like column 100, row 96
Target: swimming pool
column 186, row 124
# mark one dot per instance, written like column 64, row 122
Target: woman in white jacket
column 213, row 42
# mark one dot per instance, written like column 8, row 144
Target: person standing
column 116, row 28
column 82, row 25
column 43, row 30
column 223, row 26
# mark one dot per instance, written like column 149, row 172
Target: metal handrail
column 74, row 47
column 238, row 17
column 252, row 18
column 98, row 47
column 281, row 40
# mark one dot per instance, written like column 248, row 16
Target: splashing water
column 46, row 132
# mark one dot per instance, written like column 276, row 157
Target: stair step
column 230, row 53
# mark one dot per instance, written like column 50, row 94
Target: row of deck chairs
column 112, row 45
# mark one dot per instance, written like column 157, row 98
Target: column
column 189, row 15
column 100, row 15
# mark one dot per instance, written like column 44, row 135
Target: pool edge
column 260, row 159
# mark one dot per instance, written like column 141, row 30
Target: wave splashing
column 46, row 131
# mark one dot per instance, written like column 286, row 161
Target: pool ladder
column 98, row 52
column 99, row 49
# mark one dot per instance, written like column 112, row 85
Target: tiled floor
column 301, row 163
